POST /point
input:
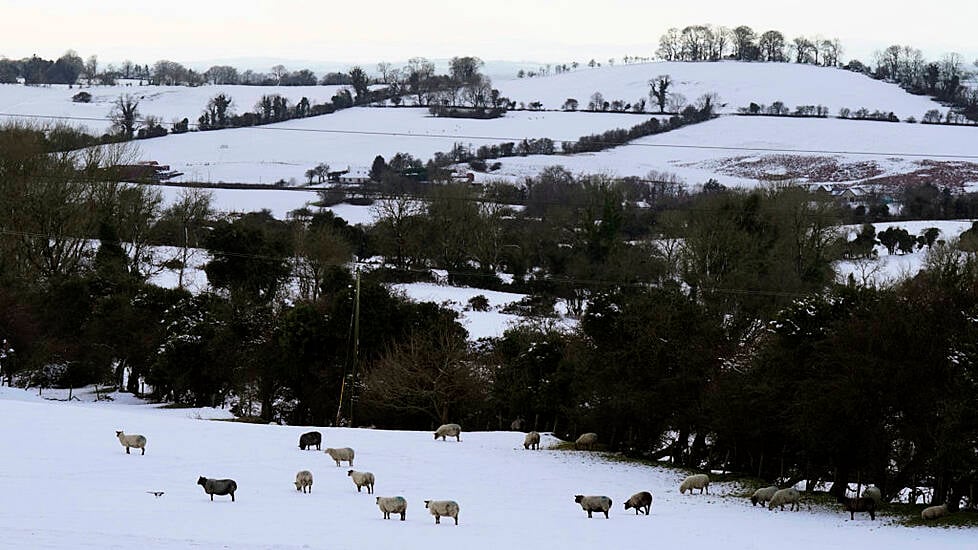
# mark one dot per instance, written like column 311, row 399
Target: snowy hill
column 737, row 83
column 353, row 137
column 739, row 150
column 67, row 483
column 167, row 103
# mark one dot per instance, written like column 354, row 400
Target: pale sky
column 514, row 30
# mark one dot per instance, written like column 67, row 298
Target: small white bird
column 156, row 494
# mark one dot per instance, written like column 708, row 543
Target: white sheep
column 640, row 501
column 392, row 505
column 785, row 496
column 594, row 503
column 303, row 481
column 586, row 441
column 135, row 441
column 934, row 512
column 449, row 430
column 439, row 508
column 532, row 440
column 695, row 481
column 763, row 495
column 873, row 493
column 344, row 453
column 362, row 478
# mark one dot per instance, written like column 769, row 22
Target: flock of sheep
column 772, row 496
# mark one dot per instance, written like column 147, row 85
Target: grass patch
column 909, row 515
column 569, row 446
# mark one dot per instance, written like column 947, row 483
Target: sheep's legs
column 127, row 449
column 144, row 450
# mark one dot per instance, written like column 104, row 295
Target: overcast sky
column 516, row 30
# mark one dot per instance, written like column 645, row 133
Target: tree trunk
column 840, row 483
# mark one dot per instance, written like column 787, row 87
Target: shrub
column 479, row 303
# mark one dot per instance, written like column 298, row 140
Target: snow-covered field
column 67, row 483
column 480, row 324
column 352, row 138
column 730, row 148
column 723, row 149
column 737, row 83
column 278, row 202
column 168, row 103
column 887, row 268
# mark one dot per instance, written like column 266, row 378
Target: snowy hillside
column 352, row 138
column 739, row 150
column 168, row 103
column 68, row 484
column 737, row 83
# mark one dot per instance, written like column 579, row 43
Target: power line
column 502, row 139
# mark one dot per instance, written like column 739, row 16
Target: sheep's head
column 201, row 480
column 118, row 433
column 578, row 498
column 298, row 486
column 426, row 503
column 753, row 500
column 350, row 473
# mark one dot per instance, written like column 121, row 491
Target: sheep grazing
column 861, row 504
column 449, row 430
column 785, row 496
column 218, row 487
column 695, row 481
column 594, row 504
column 875, row 494
column 393, row 505
column 345, row 453
column 303, row 481
column 934, row 512
column 135, row 441
column 362, row 478
column 532, row 440
column 439, row 508
column 309, row 439
column 763, row 495
column 586, row 441
column 640, row 501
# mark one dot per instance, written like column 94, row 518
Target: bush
column 479, row 303
column 82, row 97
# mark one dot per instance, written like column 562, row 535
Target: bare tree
column 91, row 69
column 384, row 69
column 429, row 373
column 279, row 72
column 126, row 68
column 397, row 219
column 124, row 114
column 189, row 213
column 659, row 92
column 317, row 249
column 669, row 45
